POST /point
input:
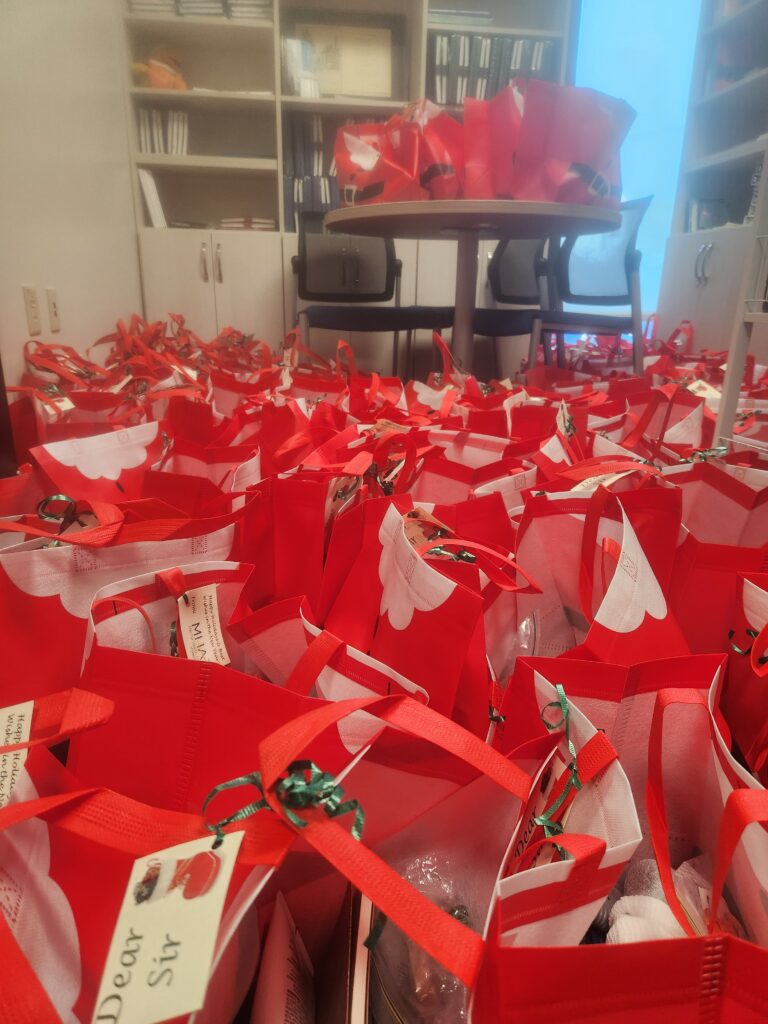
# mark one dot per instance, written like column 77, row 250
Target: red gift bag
column 378, row 163
column 478, row 150
column 441, row 149
column 568, row 144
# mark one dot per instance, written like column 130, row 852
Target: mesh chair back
column 343, row 268
column 514, row 271
column 594, row 270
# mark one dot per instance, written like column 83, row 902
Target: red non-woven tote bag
column 46, row 593
column 745, row 697
column 105, row 467
column 568, row 144
column 600, row 573
column 67, row 855
column 585, row 796
column 719, row 508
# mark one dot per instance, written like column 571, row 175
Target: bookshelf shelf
column 733, row 157
column 214, row 100
column 752, row 89
column 340, row 104
column 756, row 318
column 189, row 26
column 207, row 164
column 752, row 18
column 281, row 145
column 493, row 30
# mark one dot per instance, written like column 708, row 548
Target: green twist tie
column 304, row 785
column 554, row 828
column 707, row 453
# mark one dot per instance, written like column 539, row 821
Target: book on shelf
column 247, row 224
column 152, row 198
column 299, row 68
column 163, row 131
column 494, row 61
column 349, row 60
column 754, row 183
column 451, row 16
column 241, row 10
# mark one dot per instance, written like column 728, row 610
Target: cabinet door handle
column 204, row 262
column 219, row 271
column 697, row 264
column 705, row 262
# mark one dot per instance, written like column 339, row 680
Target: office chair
column 518, row 275
column 350, row 272
column 596, row 270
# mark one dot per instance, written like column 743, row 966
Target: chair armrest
column 634, row 256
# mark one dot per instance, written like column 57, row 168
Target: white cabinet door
column 177, row 277
column 248, row 276
column 720, row 302
column 712, row 306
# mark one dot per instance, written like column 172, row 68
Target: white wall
column 66, row 208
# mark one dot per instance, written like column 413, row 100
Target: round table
column 469, row 220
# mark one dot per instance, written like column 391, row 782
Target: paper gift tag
column 200, row 625
column 162, row 947
column 15, row 726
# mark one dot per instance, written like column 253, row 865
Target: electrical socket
column 53, row 309
column 32, row 308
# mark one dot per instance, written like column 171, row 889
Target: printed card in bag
column 163, row 944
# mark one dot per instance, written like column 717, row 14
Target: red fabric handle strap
column 499, row 568
column 110, row 524
column 61, row 715
column 447, row 940
column 312, row 662
column 731, row 825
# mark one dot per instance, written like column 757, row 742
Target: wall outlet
column 32, row 307
column 53, row 309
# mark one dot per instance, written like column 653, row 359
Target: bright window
column 643, row 52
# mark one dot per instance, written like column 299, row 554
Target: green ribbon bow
column 554, row 828
column 304, row 785
column 753, row 635
column 707, row 453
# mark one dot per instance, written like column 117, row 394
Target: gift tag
column 421, row 527
column 15, row 727
column 164, row 940
column 564, row 421
column 200, row 625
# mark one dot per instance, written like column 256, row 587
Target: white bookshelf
column 712, row 274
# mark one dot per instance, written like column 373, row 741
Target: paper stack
column 247, row 224
column 161, row 132
column 202, row 8
column 152, row 6
column 250, row 10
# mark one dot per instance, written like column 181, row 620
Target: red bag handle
column 600, row 466
column 343, row 348
column 444, row 938
column 743, row 807
column 312, row 662
column 500, row 569
column 110, row 524
column 60, row 715
column 449, row 363
column 128, row 602
column 731, row 826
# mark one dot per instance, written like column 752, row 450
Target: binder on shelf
column 475, row 60
column 542, row 54
column 157, row 132
column 145, row 133
column 466, row 44
column 442, row 64
column 454, row 69
column 485, row 69
column 152, row 198
column 494, row 74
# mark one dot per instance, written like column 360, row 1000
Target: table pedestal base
column 466, row 289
